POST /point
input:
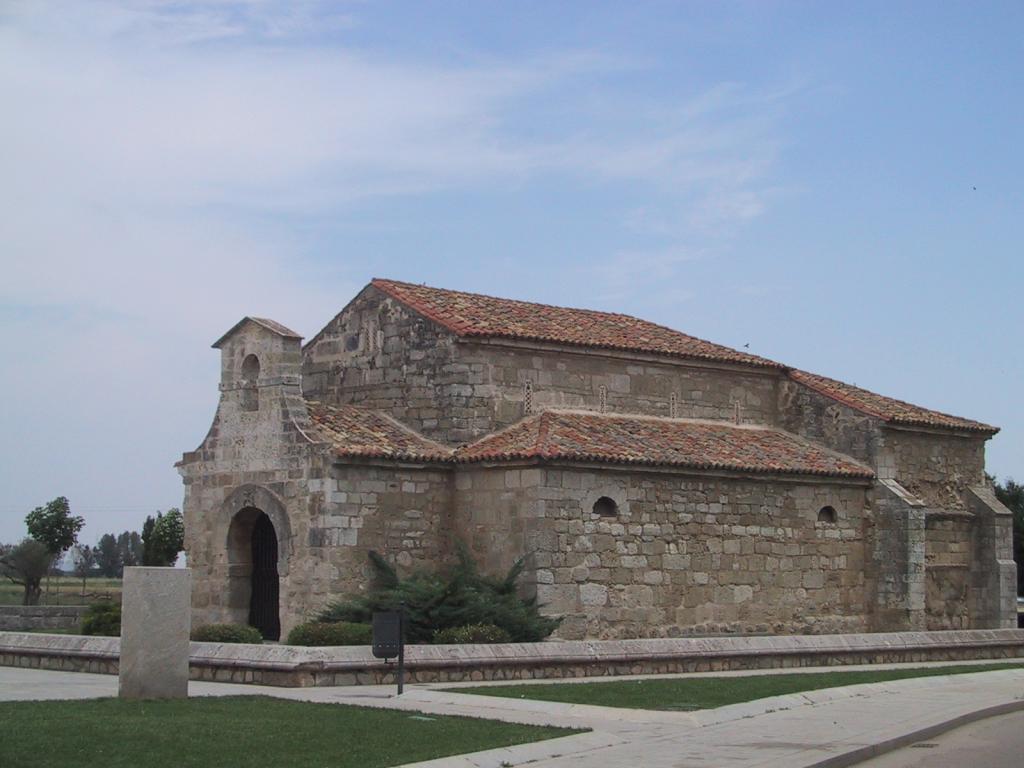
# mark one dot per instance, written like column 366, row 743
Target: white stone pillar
column 155, row 627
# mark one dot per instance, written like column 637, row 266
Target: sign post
column 389, row 640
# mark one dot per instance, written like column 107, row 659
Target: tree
column 1012, row 495
column 108, row 560
column 129, row 550
column 85, row 561
column 54, row 525
column 163, row 538
column 26, row 564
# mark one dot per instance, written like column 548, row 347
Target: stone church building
column 660, row 485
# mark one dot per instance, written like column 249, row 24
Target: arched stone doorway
column 254, row 578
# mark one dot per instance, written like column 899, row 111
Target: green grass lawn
column 65, row 590
column 250, row 731
column 708, row 692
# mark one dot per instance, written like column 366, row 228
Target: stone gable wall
column 683, row 555
column 378, row 354
column 806, row 412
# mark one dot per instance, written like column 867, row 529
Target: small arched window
column 827, row 515
column 606, row 507
column 250, row 375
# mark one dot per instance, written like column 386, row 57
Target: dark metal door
column 263, row 607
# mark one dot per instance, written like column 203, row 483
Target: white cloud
column 151, row 152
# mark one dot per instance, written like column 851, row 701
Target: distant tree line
column 53, row 531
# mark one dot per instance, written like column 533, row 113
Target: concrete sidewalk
column 834, row 727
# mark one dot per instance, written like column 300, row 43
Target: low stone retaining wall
column 292, row 666
column 18, row 618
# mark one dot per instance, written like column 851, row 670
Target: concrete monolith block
column 155, row 626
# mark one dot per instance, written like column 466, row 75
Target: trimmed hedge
column 472, row 633
column 331, row 633
column 102, row 619
column 227, row 633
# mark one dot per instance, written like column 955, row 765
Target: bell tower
column 260, row 359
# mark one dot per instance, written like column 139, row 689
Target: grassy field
column 246, row 730
column 688, row 694
column 64, row 590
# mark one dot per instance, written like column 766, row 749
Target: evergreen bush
column 102, row 619
column 227, row 633
column 471, row 633
column 331, row 633
column 457, row 598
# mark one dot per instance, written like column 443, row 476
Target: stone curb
column 293, row 666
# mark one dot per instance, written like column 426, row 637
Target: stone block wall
column 39, row 618
column 402, row 513
column 949, row 546
column 806, row 412
column 935, row 468
column 683, row 554
column 381, row 355
column 570, row 379
column 378, row 354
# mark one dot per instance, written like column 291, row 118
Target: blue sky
column 837, row 185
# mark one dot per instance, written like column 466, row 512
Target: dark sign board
column 387, row 634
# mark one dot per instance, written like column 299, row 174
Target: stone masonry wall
column 935, row 468
column 326, row 517
column 683, row 555
column 400, row 512
column 40, row 618
column 568, row 379
column 378, row 354
column 806, row 412
column 948, row 550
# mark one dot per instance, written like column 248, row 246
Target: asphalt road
column 997, row 742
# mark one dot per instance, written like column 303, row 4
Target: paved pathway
column 833, row 728
column 997, row 742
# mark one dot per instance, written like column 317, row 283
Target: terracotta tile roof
column 475, row 315
column 887, row 408
column 640, row 440
column 356, row 431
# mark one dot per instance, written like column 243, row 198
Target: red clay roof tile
column 356, row 431
column 475, row 315
column 886, row 408
column 640, row 440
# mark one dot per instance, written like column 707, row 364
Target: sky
column 838, row 185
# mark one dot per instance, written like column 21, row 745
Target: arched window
column 606, row 507
column 250, row 375
column 827, row 515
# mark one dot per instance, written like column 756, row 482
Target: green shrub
column 471, row 633
column 227, row 633
column 331, row 633
column 102, row 619
column 456, row 598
